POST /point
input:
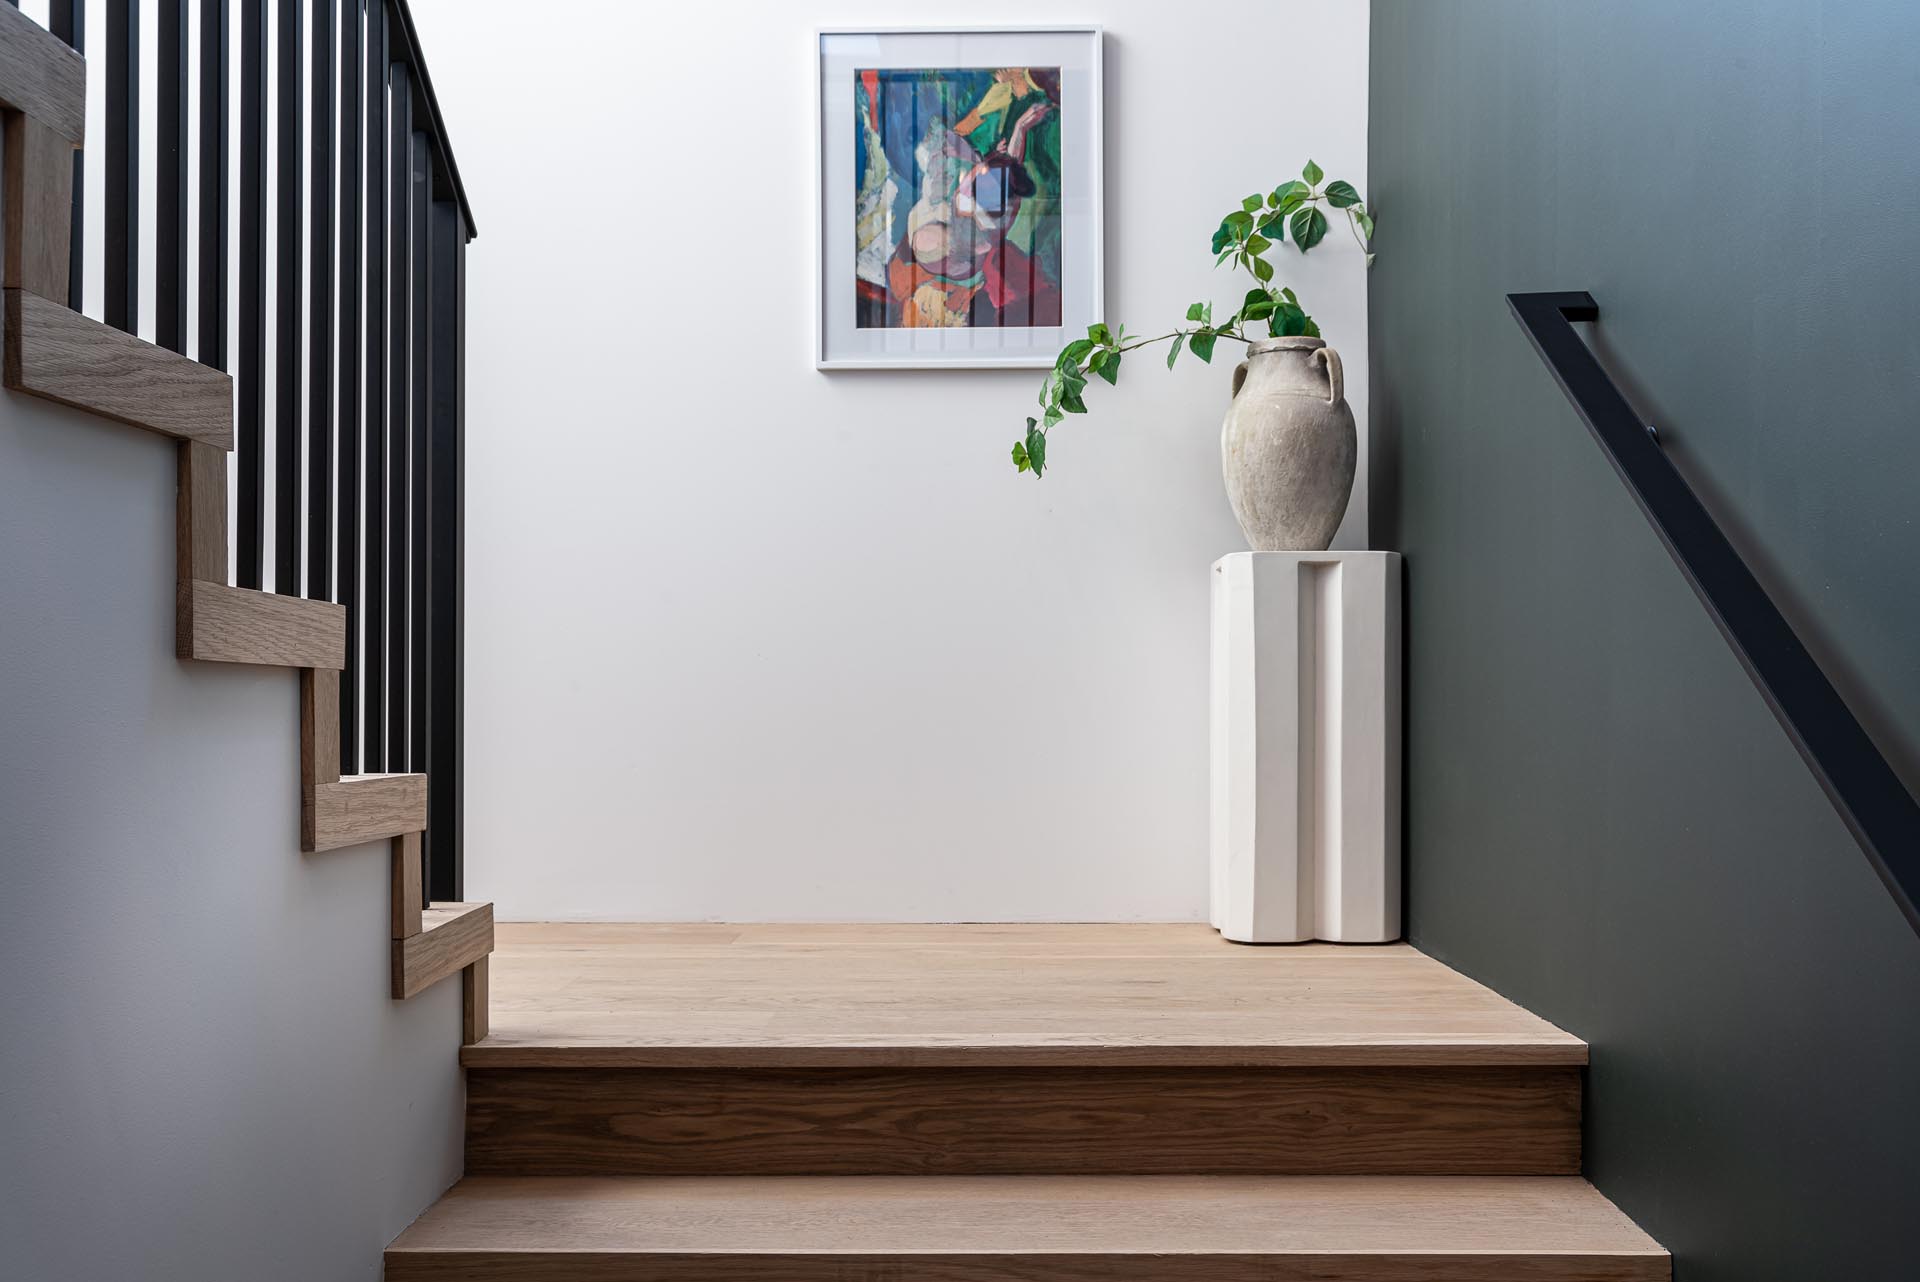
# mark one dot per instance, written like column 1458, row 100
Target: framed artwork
column 958, row 177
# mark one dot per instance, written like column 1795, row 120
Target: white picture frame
column 841, row 340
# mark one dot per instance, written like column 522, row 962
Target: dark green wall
column 1603, row 820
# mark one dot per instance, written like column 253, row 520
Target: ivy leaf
column 1258, row 244
column 1174, row 351
column 1222, row 237
column 1262, row 269
column 1310, row 329
column 1099, row 359
column 1341, row 194
column 1073, row 353
column 1250, row 204
column 1365, row 220
column 1110, row 369
column 1201, row 344
column 1020, row 459
column 1054, row 415
column 1240, row 221
column 1313, row 174
column 1070, row 397
column 1225, row 254
column 1099, row 333
column 1286, row 199
column 1036, row 448
column 1196, row 311
column 1309, row 227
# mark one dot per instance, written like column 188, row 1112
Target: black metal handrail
column 1875, row 805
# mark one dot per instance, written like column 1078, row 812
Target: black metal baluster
column 444, row 640
column 420, row 470
column 212, row 341
column 351, row 292
column 399, row 437
column 320, row 448
column 170, row 182
column 289, row 458
column 123, row 165
column 374, row 521
column 251, row 332
column 68, row 20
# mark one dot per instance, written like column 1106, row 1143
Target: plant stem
column 1149, row 342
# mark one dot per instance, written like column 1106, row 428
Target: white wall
column 750, row 641
column 201, row 1073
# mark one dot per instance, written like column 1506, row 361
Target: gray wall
column 1603, row 820
column 201, row 1074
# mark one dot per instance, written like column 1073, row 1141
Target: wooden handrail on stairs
column 60, row 355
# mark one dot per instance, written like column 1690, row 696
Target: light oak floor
column 828, row 996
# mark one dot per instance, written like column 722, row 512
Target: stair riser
column 1019, row 1267
column 987, row 1121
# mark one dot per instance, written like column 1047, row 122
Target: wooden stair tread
column 619, row 996
column 1374, row 1227
column 67, row 357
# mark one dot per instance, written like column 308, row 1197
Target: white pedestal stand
column 1306, row 746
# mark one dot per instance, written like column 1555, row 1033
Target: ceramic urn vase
column 1288, row 446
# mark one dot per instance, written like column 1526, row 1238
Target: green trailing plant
column 1292, row 211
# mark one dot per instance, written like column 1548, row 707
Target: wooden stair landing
column 658, row 996
column 1026, row 1229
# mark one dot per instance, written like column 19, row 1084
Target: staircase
column 59, row 354
column 1010, row 1104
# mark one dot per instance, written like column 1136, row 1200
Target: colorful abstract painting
column 957, row 198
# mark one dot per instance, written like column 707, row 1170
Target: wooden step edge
column 520, row 1051
column 934, row 1228
column 452, row 938
column 41, row 76
column 360, row 808
column 60, row 355
column 1012, row 1266
column 215, row 623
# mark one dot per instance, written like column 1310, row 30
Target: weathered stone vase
column 1288, row 446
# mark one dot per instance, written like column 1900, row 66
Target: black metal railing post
column 250, row 383
column 399, row 232
column 214, row 61
column 347, row 508
column 373, row 511
column 289, row 455
column 446, row 642
column 322, row 581
column 171, row 91
column 123, row 165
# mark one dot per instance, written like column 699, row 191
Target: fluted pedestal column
column 1306, row 746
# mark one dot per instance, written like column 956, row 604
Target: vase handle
column 1336, row 378
column 1239, row 377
